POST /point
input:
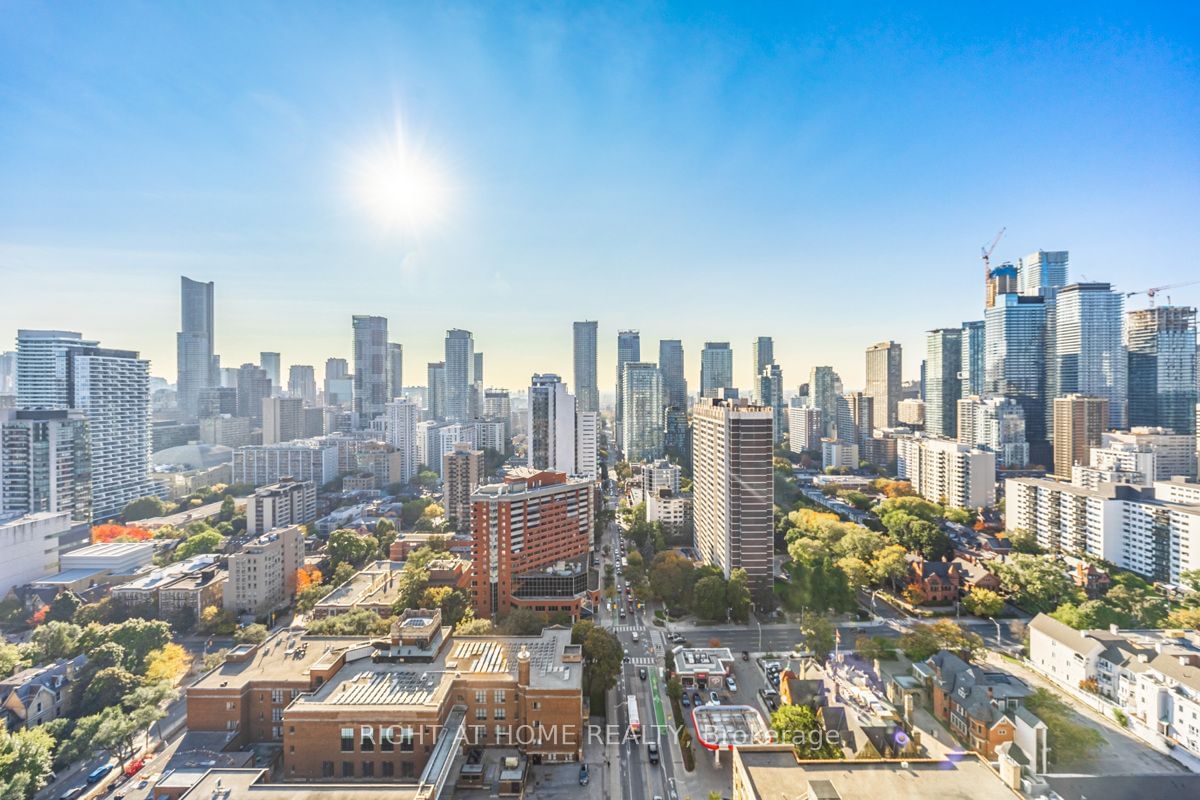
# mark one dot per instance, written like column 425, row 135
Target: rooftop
column 722, row 727
column 250, row 784
column 286, row 656
column 374, row 584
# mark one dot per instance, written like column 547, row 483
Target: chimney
column 523, row 666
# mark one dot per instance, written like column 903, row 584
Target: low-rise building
column 839, row 454
column 144, row 589
column 288, row 502
column 672, row 510
column 192, row 593
column 977, row 704
column 29, row 546
column 304, row 460
column 703, row 667
column 117, row 558
column 35, row 696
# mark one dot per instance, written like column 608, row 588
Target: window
column 498, row 696
column 536, row 705
column 388, row 769
column 481, row 712
column 347, row 741
column 481, row 695
column 386, row 744
column 277, row 696
column 368, row 769
column 406, row 740
column 498, row 713
column 406, row 769
column 326, row 769
column 347, row 769
column 366, row 742
column 277, row 732
column 276, row 715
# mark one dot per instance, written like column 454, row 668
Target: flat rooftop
column 721, row 727
column 286, row 656
column 774, row 772
column 248, row 784
column 374, row 584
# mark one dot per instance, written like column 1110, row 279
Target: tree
column 216, row 620
column 26, row 760
column 474, row 627
column 602, row 653
column 411, row 586
column 799, row 727
column 307, row 598
column 112, row 731
column 307, row 576
column 252, row 634
column 671, row 577
column 737, row 595
column 55, row 640
column 64, row 607
column 1191, row 579
column 890, row 564
column 709, row 601
column 139, row 637
column 107, row 687
column 207, row 542
column 452, row 603
column 341, row 574
column 674, row 689
column 819, row 635
column 858, row 572
column 875, row 648
column 1069, row 741
column 522, row 622
column 350, row 547
column 1184, row 618
column 143, row 508
column 12, row 659
column 118, row 533
column 922, row 641
column 168, row 664
column 359, row 622
column 1024, row 541
column 983, row 602
column 228, row 509
column 109, row 654
column 1035, row 583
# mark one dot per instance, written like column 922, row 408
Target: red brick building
column 532, row 541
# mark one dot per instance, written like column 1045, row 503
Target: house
column 803, row 688
column 38, row 695
column 978, row 705
column 976, row 576
column 940, row 581
column 1094, row 582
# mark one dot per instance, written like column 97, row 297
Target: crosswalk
column 643, row 661
column 628, row 628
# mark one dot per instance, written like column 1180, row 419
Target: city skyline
column 829, row 162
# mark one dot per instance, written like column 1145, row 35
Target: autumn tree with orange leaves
column 102, row 534
column 307, row 576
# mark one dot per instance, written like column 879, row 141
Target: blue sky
column 697, row 171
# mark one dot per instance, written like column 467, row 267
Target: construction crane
column 1153, row 290
column 987, row 254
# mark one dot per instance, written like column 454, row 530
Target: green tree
column 671, row 577
column 113, row 731
column 251, row 634
column 983, row 602
column 307, row 598
column 411, row 586
column 522, row 622
column 819, row 635
column 1024, row 541
column 1035, row 583
column 139, row 637
column 737, row 595
column 64, row 607
column 452, row 603
column 1070, row 742
column 602, row 653
column 12, row 659
column 208, row 541
column 143, row 508
column 55, row 640
column 474, row 627
column 922, row 641
column 710, row 598
column 109, row 654
column 799, row 726
column 26, row 758
column 228, row 510
column 359, row 622
column 350, row 547
column 108, row 687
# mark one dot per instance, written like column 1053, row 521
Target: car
column 626, row 660
column 685, row 701
column 143, row 783
column 696, row 700
column 583, row 775
column 730, row 683
column 652, row 751
column 71, row 794
column 713, row 700
column 642, row 673
column 635, row 636
column 622, row 612
column 745, row 655
column 98, row 773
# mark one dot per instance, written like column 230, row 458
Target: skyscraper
column 460, row 374
column 996, row 424
column 643, row 406
column 1079, row 423
column 395, row 370
column 551, row 414
column 273, row 364
column 112, row 389
column 1043, row 272
column 195, row 360
column 1014, row 363
column 974, row 343
column 370, row 367
column 302, row 383
column 45, row 462
column 670, row 362
column 435, row 395
column 824, row 387
column 1001, row 280
column 8, row 373
column 587, row 442
column 1089, row 352
column 282, row 419
column 769, row 391
column 462, row 471
column 884, row 378
column 252, row 386
column 943, row 388
column 587, row 393
column 733, row 488
column 339, row 384
column 42, row 370
column 762, row 354
column 716, row 368
column 629, row 348
column 400, row 431
column 1161, row 343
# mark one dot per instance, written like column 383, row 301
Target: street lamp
column 754, row 611
column 999, row 638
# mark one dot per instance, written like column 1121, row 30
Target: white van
column 635, row 636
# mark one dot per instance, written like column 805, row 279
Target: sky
column 693, row 170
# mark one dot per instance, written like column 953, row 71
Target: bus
column 635, row 721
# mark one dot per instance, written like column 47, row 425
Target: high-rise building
column 395, row 363
column 1089, row 352
column 1014, row 363
column 1174, row 453
column 253, row 386
column 824, row 388
column 435, row 394
column 304, row 459
column 996, row 424
column 551, row 415
column 8, row 373
column 1043, row 272
column 884, row 362
column 587, row 443
column 302, row 383
column 716, row 368
column 733, row 488
column 805, row 429
column 1001, row 280
column 43, row 375
column 943, row 388
column 400, row 431
column 942, row 471
column 262, row 575
column 112, row 389
column 762, row 355
column 770, row 393
column 282, row 419
column 1161, row 343
column 462, row 471
column 370, row 367
column 196, row 361
column 45, row 462
column 497, row 407
column 677, row 436
column 477, row 387
column 860, row 425
column 289, row 502
column 587, row 392
column 629, row 348
column 974, row 357
column 215, row 401
column 1079, row 422
column 531, row 543
column 460, row 374
column 670, row 363
column 643, row 407
column 339, row 384
column 272, row 364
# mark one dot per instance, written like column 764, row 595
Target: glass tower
column 1161, row 343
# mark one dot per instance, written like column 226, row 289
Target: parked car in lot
column 745, row 655
column 696, row 700
column 713, row 699
column 685, row 701
column 730, row 683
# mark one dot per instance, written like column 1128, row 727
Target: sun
column 401, row 188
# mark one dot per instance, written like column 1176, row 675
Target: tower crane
column 987, row 254
column 1154, row 290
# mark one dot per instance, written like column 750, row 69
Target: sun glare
column 401, row 188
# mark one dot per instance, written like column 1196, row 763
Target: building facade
column 587, row 390
column 289, row 502
column 947, row 472
column 884, row 378
column 1161, row 346
column 716, row 368
column 642, row 406
column 551, row 439
column 463, row 471
column 943, row 386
